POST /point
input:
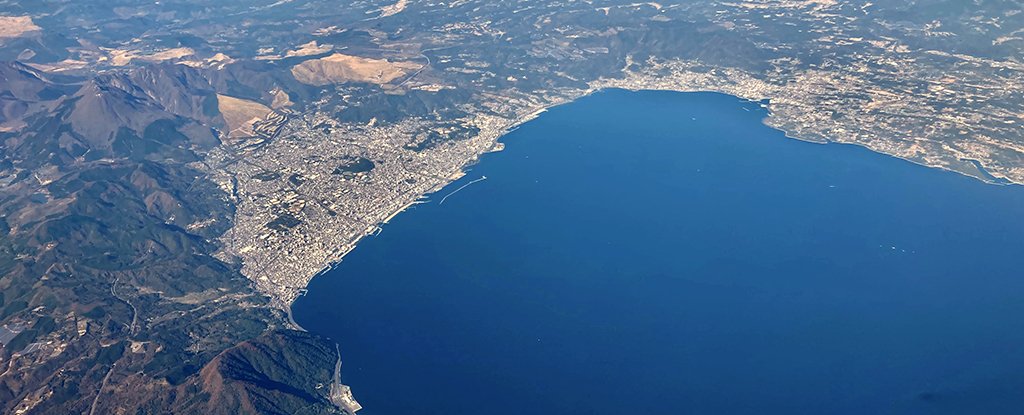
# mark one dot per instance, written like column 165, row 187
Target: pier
column 482, row 178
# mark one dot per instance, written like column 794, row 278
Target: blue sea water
column 667, row 253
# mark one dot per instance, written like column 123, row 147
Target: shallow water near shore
column 667, row 253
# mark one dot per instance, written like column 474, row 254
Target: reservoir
column 666, row 253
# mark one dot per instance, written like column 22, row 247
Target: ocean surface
column 666, row 253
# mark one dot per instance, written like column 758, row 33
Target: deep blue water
column 666, row 253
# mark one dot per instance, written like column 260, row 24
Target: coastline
column 443, row 277
column 785, row 114
column 496, row 145
column 341, row 394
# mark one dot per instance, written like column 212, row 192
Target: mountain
column 23, row 92
column 110, row 235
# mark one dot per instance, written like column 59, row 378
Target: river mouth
column 667, row 253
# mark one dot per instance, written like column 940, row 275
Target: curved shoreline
column 611, row 84
column 498, row 145
column 360, row 290
column 983, row 174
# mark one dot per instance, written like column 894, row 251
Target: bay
column 668, row 253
